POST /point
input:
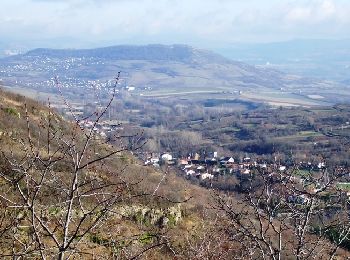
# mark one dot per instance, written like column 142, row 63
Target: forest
column 236, row 128
column 107, row 204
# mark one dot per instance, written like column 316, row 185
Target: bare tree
column 281, row 215
column 57, row 185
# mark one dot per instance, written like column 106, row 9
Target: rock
column 164, row 221
column 147, row 216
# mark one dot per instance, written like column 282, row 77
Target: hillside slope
column 119, row 209
column 65, row 192
column 162, row 69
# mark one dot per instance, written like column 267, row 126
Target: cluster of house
column 102, row 128
column 157, row 159
column 211, row 167
column 48, row 65
column 208, row 169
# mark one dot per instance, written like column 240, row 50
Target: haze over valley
column 175, row 129
column 168, row 70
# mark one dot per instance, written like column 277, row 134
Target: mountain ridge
column 151, row 52
column 167, row 69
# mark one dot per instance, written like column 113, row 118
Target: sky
column 202, row 23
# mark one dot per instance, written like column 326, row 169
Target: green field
column 302, row 135
column 344, row 186
column 302, row 173
column 309, row 133
column 282, row 98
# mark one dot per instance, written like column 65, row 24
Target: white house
column 190, row 172
column 263, row 166
column 231, row 160
column 200, row 168
column 282, row 168
column 321, row 165
column 207, row 176
column 154, row 160
column 166, row 157
column 245, row 171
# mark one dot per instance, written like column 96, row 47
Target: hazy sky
column 204, row 23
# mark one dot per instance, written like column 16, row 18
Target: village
column 101, row 128
column 210, row 168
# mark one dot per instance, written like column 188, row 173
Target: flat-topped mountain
column 167, row 70
column 155, row 52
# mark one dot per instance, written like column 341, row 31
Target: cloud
column 188, row 21
column 317, row 19
column 315, row 12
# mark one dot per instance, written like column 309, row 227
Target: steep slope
column 35, row 181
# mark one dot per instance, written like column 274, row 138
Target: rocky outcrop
column 147, row 216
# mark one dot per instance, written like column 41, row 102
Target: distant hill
column 168, row 69
column 179, row 53
column 323, row 59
